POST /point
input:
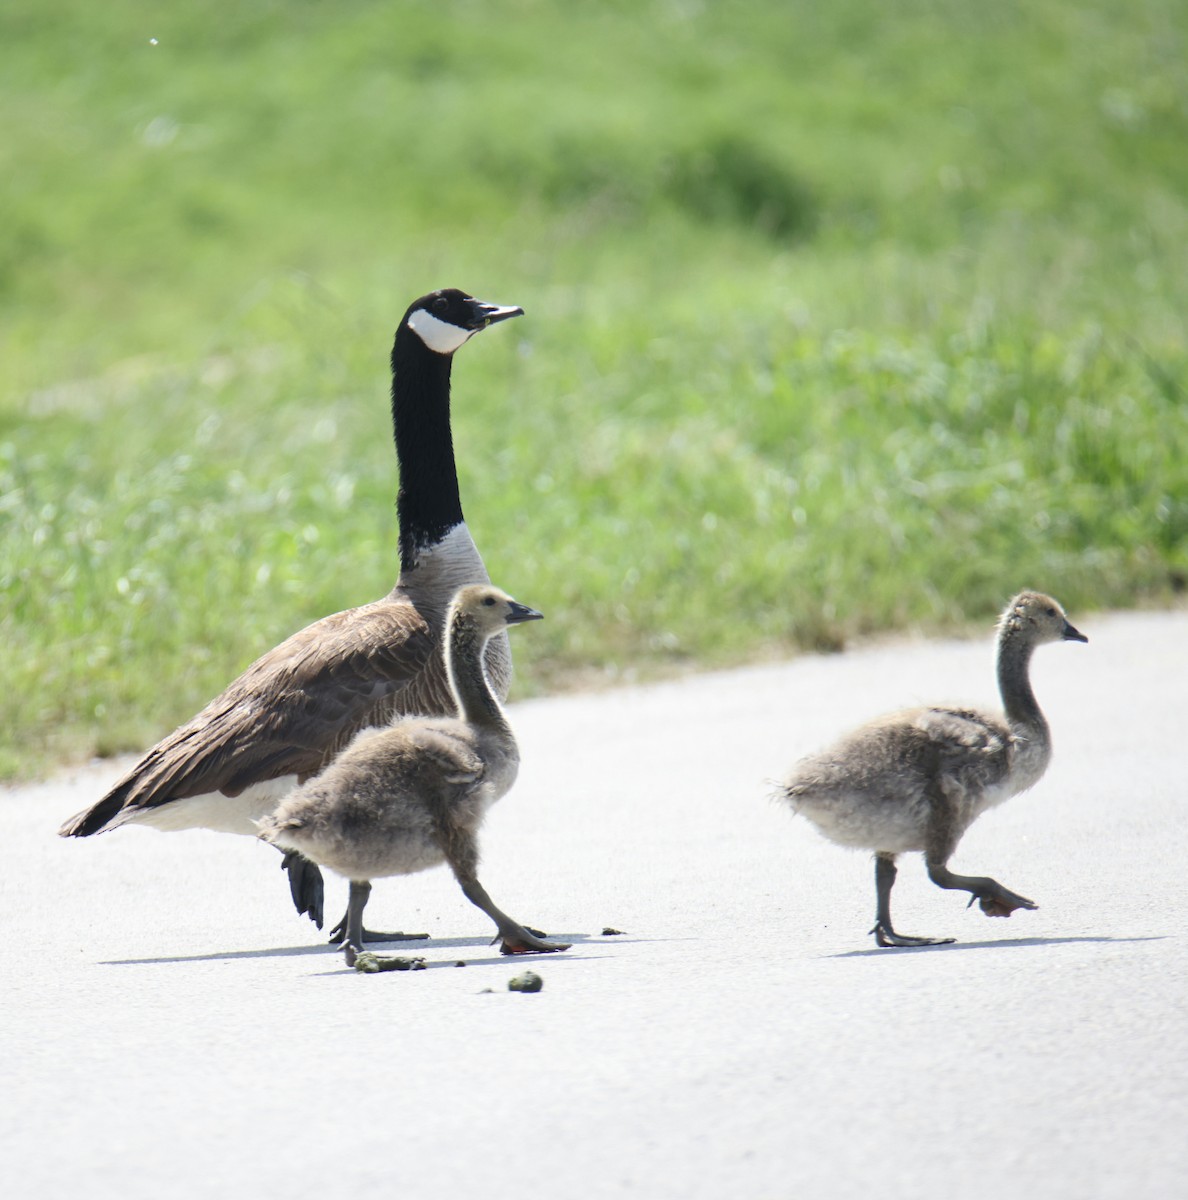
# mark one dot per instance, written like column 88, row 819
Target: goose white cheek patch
column 440, row 336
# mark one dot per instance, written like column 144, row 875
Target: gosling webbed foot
column 339, row 932
column 305, row 886
column 996, row 901
column 522, row 940
column 999, row 901
column 886, row 936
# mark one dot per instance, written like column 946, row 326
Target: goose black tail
column 98, row 817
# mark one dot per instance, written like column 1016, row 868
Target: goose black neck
column 428, row 504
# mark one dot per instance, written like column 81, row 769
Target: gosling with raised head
column 413, row 796
column 916, row 780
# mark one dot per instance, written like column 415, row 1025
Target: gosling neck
column 477, row 703
column 1014, row 682
column 428, row 504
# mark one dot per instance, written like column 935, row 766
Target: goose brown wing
column 287, row 714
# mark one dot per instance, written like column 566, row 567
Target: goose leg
column 995, row 900
column 885, row 935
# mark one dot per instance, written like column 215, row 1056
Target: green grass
column 841, row 319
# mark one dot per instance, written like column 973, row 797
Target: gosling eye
column 1050, row 611
column 489, row 601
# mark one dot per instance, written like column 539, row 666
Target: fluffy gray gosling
column 414, row 795
column 916, row 780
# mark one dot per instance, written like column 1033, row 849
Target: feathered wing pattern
column 285, row 715
column 973, row 749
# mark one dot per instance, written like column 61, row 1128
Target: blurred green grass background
column 840, row 319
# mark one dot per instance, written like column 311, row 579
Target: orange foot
column 998, row 908
column 531, row 945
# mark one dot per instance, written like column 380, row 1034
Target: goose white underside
column 213, row 810
column 227, row 814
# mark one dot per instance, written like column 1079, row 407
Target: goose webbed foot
column 305, row 886
column 339, row 932
column 520, row 939
column 886, row 936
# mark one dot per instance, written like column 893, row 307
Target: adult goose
column 413, row 796
column 917, row 779
column 293, row 710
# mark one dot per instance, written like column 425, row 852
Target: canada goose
column 917, row 779
column 295, row 708
column 413, row 796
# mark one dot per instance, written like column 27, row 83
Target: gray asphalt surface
column 171, row 1028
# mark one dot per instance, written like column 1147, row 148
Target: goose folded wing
column 290, row 711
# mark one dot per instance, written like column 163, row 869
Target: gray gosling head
column 1037, row 618
column 487, row 609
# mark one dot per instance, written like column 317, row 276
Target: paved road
column 170, row 1028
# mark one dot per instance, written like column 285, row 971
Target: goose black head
column 445, row 320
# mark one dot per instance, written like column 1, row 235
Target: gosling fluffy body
column 413, row 796
column 916, row 780
column 387, row 804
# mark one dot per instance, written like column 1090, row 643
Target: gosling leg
column 352, row 932
column 461, row 852
column 516, row 939
column 339, row 932
column 995, row 900
column 885, row 935
column 356, row 903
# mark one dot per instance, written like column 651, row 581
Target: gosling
column 916, row 780
column 413, row 795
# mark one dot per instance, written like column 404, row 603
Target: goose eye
column 440, row 304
